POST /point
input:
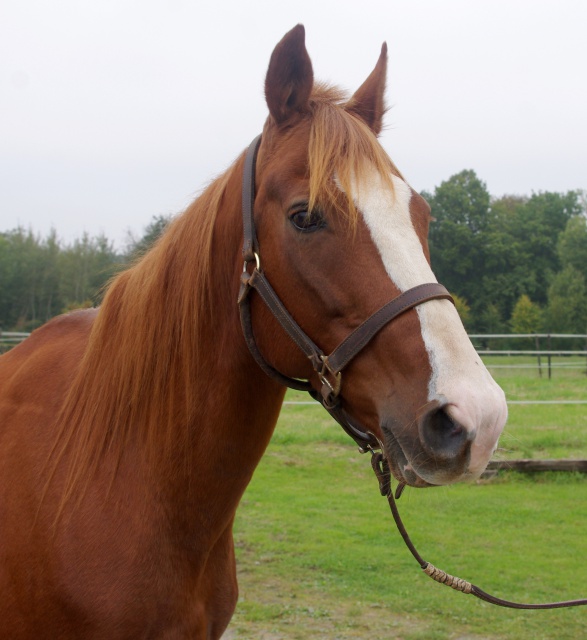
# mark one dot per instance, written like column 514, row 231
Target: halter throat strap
column 327, row 367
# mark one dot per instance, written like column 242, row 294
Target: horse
column 129, row 433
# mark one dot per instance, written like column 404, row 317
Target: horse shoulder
column 47, row 359
column 34, row 378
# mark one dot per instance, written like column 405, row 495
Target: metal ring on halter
column 257, row 261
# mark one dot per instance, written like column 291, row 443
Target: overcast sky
column 114, row 111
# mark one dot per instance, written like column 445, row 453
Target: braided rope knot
column 445, row 578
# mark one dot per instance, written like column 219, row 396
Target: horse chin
column 399, row 464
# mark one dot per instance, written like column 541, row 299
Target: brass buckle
column 336, row 383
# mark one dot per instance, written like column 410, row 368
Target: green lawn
column 543, row 430
column 319, row 557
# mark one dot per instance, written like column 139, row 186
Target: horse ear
column 290, row 77
column 368, row 102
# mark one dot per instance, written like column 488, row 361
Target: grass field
column 319, row 557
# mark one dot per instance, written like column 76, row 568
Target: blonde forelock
column 342, row 149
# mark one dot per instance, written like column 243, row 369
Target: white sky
column 114, row 111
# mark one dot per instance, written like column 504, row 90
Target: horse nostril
column 443, row 436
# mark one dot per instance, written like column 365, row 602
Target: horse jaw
column 459, row 381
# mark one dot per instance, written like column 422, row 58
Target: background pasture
column 319, row 556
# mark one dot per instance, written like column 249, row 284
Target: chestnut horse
column 129, row 433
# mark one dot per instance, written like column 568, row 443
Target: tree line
column 515, row 264
column 41, row 277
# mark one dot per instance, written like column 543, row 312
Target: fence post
column 538, row 354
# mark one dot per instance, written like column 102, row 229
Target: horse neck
column 232, row 384
column 167, row 384
column 237, row 403
column 234, row 405
column 241, row 402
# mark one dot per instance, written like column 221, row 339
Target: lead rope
column 381, row 469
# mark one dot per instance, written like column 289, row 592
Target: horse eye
column 307, row 221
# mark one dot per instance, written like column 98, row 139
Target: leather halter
column 328, row 367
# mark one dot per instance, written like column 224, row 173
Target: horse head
column 342, row 233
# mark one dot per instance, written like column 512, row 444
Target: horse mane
column 138, row 377
column 141, row 359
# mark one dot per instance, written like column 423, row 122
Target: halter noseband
column 328, row 367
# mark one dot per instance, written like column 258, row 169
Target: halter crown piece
column 329, row 369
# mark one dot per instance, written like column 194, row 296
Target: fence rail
column 532, row 352
column 531, row 465
column 528, row 335
column 312, row 403
column 538, row 353
column 13, row 335
column 9, row 339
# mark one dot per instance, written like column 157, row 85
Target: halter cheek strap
column 327, row 367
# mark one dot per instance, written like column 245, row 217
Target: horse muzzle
column 435, row 450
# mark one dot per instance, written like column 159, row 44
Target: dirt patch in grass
column 310, row 613
column 275, row 609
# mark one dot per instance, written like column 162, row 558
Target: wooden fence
column 543, row 356
column 534, row 466
column 9, row 338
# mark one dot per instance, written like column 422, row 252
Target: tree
column 567, row 302
column 463, row 309
column 86, row 265
column 462, row 200
column 24, row 262
column 460, row 211
column 506, row 275
column 526, row 316
column 521, row 254
column 491, row 322
column 536, row 228
column 39, row 278
column 137, row 248
column 572, row 244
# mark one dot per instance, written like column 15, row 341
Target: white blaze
column 458, row 377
